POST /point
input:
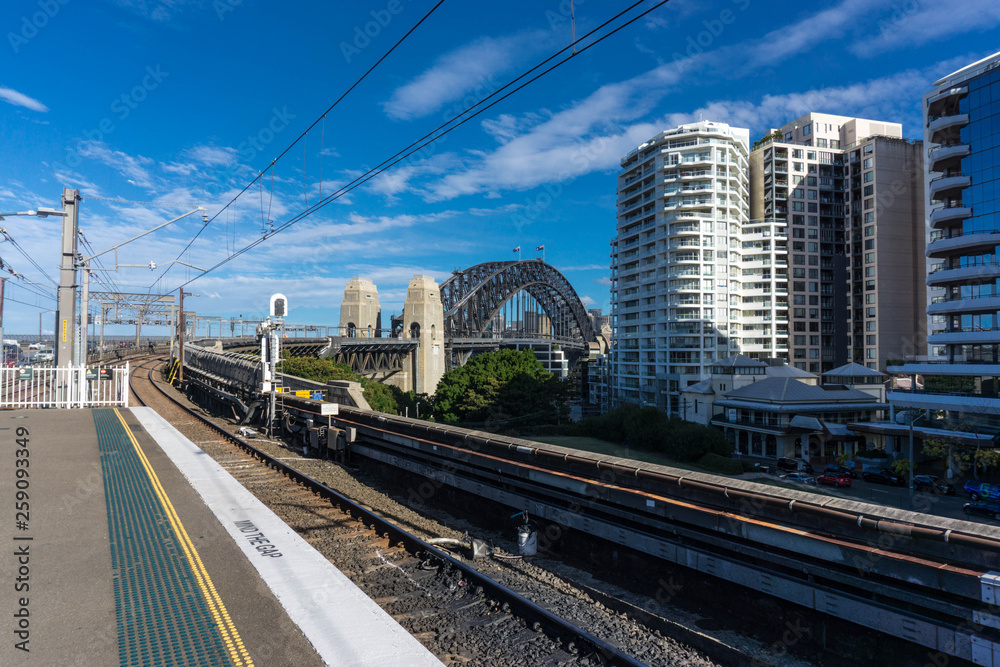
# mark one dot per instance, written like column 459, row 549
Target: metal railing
column 36, row 387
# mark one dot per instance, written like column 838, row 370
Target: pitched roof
column 853, row 370
column 703, row 387
column 787, row 371
column 738, row 361
column 787, row 389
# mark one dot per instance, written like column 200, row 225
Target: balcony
column 961, row 336
column 949, row 186
column 955, row 212
column 947, row 245
column 979, row 303
column 947, row 157
column 946, row 100
column 951, row 273
column 945, row 129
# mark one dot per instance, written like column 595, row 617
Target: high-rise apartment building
column 962, row 136
column 851, row 193
column 682, row 205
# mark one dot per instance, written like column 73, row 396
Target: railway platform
column 124, row 544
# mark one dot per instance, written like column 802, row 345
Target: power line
column 28, row 257
column 443, row 129
column 322, row 117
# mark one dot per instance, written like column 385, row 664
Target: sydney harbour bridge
column 524, row 303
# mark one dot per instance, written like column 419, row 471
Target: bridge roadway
column 129, row 548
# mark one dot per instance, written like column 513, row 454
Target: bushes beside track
column 651, row 430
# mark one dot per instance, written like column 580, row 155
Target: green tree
column 499, row 386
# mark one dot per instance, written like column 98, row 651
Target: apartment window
column 797, row 153
column 869, row 258
column 814, row 233
column 798, row 273
column 871, row 353
column 797, row 166
column 813, row 287
column 814, row 301
column 870, row 339
column 870, row 244
column 798, row 287
column 867, row 164
column 869, row 298
column 870, row 230
column 821, row 143
column 799, row 260
column 798, row 193
column 869, row 203
column 798, row 206
column 812, row 195
column 814, row 274
column 806, row 130
column 834, row 143
column 798, row 233
column 813, row 221
column 869, row 285
column 813, row 247
column 869, row 149
column 811, row 181
column 798, row 219
column 814, row 354
column 869, row 272
column 799, row 300
column 814, row 340
column 800, row 340
column 869, row 190
column 869, row 176
column 869, row 217
column 811, row 155
column 870, row 325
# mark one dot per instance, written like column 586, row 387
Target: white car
column 35, row 346
column 799, row 477
column 45, row 355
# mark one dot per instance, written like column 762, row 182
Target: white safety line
column 344, row 625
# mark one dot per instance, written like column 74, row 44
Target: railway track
column 498, row 610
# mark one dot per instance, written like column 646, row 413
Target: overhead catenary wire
column 444, row 128
column 321, row 118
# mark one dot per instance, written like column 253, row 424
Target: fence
column 34, row 387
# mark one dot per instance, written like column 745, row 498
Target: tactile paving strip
column 163, row 616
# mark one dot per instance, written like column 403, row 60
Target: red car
column 834, row 480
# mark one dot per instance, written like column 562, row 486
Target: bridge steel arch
column 473, row 297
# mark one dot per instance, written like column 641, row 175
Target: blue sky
column 184, row 102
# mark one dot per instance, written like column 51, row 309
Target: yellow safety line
column 230, row 636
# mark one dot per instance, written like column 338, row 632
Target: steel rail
column 524, row 608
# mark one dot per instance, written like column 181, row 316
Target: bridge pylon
column 423, row 319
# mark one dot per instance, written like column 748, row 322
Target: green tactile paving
column 162, row 616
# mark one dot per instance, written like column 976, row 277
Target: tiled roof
column 786, row 389
column 852, row 370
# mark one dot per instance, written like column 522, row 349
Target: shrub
column 720, row 464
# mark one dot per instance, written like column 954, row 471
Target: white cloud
column 467, row 70
column 133, row 168
column 913, row 24
column 212, row 156
column 11, row 96
column 587, row 301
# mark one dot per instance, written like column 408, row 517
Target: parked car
column 45, row 355
column 990, row 508
column 932, row 484
column 834, row 469
column 977, row 489
column 832, row 479
column 883, row 476
column 794, row 464
column 799, row 477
